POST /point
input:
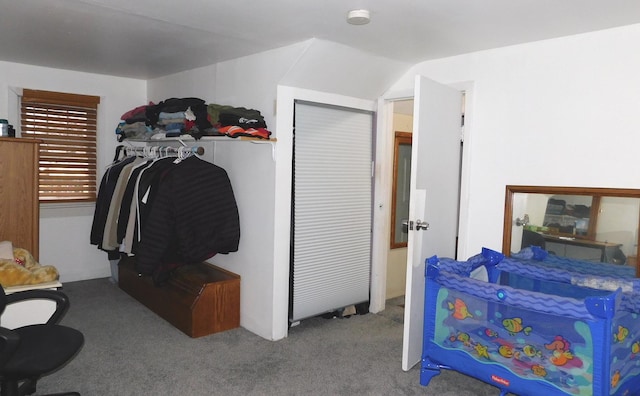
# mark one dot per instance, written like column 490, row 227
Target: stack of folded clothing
column 192, row 116
column 238, row 121
column 133, row 124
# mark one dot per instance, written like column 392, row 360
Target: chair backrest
column 3, row 300
column 8, row 339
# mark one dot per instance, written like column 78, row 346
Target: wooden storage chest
column 199, row 299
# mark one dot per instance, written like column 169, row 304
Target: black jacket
column 193, row 216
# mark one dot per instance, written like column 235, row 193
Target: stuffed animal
column 22, row 268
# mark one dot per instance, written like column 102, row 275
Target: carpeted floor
column 130, row 351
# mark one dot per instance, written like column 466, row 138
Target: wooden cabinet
column 19, row 203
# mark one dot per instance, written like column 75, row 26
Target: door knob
column 421, row 225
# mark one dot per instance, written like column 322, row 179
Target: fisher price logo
column 501, row 381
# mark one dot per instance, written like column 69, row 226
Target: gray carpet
column 130, row 351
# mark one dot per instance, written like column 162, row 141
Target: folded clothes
column 244, row 119
column 212, row 132
column 134, row 126
column 176, row 114
column 138, row 111
column 261, row 133
column 194, row 116
column 189, row 114
column 168, row 121
column 138, row 130
column 179, row 126
column 235, row 131
column 178, row 104
column 136, row 118
column 238, row 116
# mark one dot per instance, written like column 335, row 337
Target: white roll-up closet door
column 332, row 207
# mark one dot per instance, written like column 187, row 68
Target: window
column 66, row 125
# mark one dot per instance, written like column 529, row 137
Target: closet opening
column 331, row 210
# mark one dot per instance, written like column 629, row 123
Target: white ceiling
column 151, row 38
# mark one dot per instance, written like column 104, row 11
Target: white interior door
column 435, row 171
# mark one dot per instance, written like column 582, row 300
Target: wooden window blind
column 66, row 124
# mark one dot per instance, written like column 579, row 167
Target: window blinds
column 331, row 209
column 66, row 124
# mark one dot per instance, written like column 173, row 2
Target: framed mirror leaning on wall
column 592, row 224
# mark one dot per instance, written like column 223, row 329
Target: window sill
column 64, row 209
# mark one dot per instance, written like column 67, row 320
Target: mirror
column 592, row 224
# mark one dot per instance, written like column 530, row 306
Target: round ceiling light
column 358, row 17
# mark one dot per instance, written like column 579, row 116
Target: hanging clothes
column 167, row 211
column 103, row 200
column 193, row 217
column 109, row 239
column 127, row 213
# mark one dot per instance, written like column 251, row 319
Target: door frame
column 359, row 289
column 383, row 185
column 283, row 155
column 383, row 126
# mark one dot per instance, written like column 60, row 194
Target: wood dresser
column 19, row 198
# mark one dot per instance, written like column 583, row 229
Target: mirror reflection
column 599, row 225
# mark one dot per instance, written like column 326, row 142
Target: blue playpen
column 532, row 326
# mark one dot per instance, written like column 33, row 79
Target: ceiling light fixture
column 358, row 17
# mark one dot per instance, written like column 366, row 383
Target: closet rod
column 199, row 150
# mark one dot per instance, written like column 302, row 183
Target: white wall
column 326, row 66
column 555, row 112
column 64, row 231
column 198, row 83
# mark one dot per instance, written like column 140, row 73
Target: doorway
column 331, row 209
column 397, row 253
column 402, row 128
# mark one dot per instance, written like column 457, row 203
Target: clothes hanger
column 118, row 150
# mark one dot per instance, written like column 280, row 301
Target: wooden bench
column 198, row 299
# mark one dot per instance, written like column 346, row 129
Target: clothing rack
column 159, row 151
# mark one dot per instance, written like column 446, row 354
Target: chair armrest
column 61, row 300
column 9, row 341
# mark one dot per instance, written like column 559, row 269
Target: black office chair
column 27, row 353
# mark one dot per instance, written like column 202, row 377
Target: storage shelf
column 191, row 139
